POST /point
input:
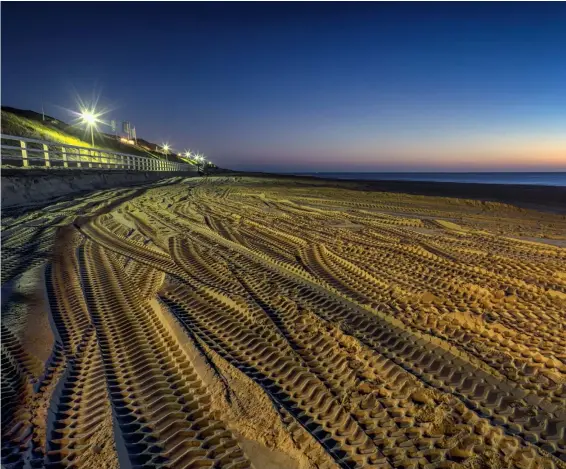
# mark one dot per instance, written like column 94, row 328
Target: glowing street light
column 197, row 159
column 89, row 115
column 90, row 119
column 166, row 149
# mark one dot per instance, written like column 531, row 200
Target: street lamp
column 90, row 120
column 166, row 149
column 197, row 159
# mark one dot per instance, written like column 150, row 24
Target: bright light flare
column 89, row 113
column 88, row 117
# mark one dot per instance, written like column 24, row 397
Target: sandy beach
column 286, row 323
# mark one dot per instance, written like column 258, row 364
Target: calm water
column 537, row 179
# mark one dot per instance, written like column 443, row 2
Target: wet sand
column 286, row 322
column 544, row 198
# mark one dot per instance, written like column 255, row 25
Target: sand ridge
column 365, row 329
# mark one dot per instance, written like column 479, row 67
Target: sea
column 529, row 178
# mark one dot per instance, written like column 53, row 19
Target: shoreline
column 542, row 198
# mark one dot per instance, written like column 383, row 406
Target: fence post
column 24, row 153
column 64, row 154
column 46, row 155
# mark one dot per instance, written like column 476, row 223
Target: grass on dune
column 28, row 128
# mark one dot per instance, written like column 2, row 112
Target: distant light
column 166, row 146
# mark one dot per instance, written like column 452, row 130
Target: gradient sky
column 307, row 86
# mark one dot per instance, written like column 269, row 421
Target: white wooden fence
column 29, row 153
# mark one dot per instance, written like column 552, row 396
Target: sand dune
column 251, row 322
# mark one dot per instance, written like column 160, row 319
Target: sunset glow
column 374, row 86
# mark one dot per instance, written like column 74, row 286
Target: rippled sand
column 252, row 322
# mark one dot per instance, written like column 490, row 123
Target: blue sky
column 308, row 86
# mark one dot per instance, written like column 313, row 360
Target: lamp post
column 90, row 120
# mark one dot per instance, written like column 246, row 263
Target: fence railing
column 29, row 153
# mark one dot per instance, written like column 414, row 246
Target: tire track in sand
column 159, row 404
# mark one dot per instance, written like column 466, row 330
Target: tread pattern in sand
column 387, row 330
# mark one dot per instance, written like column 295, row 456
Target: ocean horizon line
column 533, row 178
